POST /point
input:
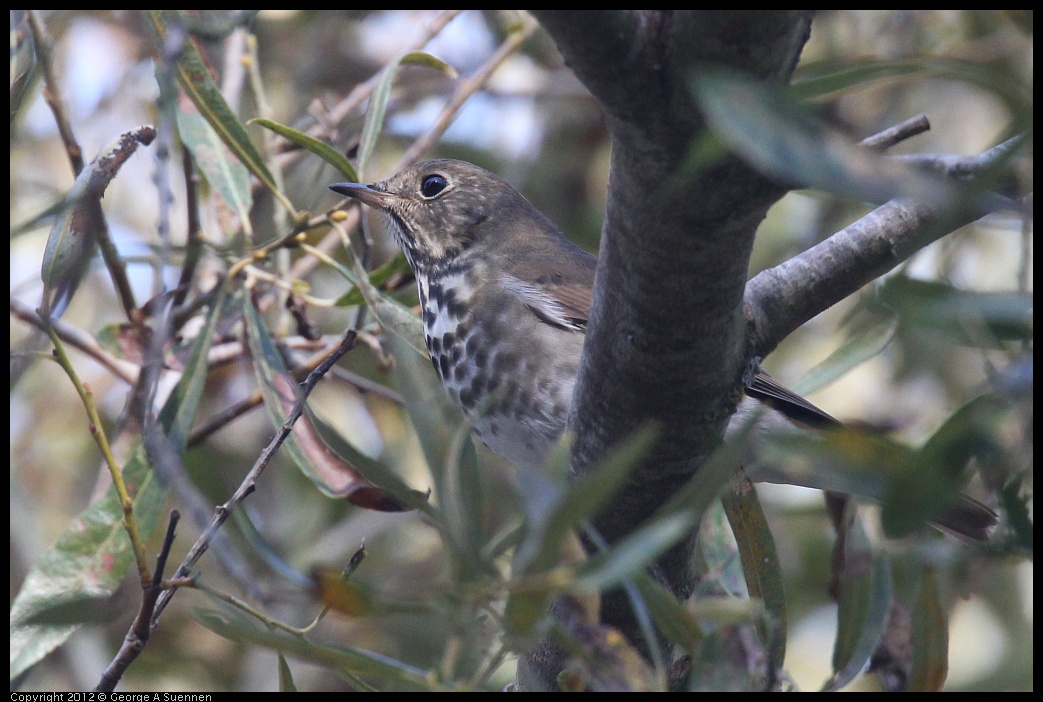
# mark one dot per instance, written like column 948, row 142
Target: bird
column 505, row 299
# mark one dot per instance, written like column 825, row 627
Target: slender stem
column 249, row 482
column 130, row 523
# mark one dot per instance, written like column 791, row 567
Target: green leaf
column 760, row 565
column 379, row 99
column 829, row 79
column 779, row 137
column 320, row 148
column 392, row 315
column 632, row 554
column 338, row 471
column 195, row 79
column 73, row 238
column 674, row 621
column 840, row 460
column 179, row 411
column 286, row 683
column 930, row 640
column 545, row 536
column 228, row 177
column 89, row 560
column 237, row 627
column 864, row 603
column 868, row 342
column 445, row 439
column 978, row 319
column 721, row 555
column 92, row 556
column 377, row 278
column 928, row 484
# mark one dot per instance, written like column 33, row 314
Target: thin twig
column 249, row 483
column 78, row 339
column 97, row 431
column 218, row 421
column 961, row 167
column 194, row 231
column 52, row 93
column 138, row 635
column 884, row 140
column 464, row 90
column 362, row 91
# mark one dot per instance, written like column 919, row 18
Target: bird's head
column 441, row 209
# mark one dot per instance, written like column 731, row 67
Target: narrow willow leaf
column 89, row 560
column 928, row 484
column 379, row 99
column 320, row 148
column 195, row 79
column 979, row 319
column 760, row 565
column 92, row 557
column 868, row 343
column 392, row 315
column 863, row 605
column 237, row 627
column 581, row 501
column 673, row 619
column 449, row 452
column 638, row 550
column 721, row 555
column 73, row 238
column 228, row 177
column 930, row 663
column 286, row 683
column 377, row 278
column 344, row 472
column 782, row 139
column 829, row 79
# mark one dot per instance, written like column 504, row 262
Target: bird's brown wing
column 574, row 301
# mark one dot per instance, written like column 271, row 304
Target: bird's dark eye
column 432, row 185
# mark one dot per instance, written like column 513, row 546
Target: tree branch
column 667, row 316
column 781, row 299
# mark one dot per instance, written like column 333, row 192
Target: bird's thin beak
column 364, row 194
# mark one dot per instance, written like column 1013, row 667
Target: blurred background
column 535, row 125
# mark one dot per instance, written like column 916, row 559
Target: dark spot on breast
column 474, row 343
column 443, row 366
column 434, row 344
column 434, row 290
column 455, row 308
column 449, row 299
column 467, row 399
column 478, row 383
column 490, row 384
column 459, row 371
column 504, row 363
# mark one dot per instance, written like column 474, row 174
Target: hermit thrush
column 505, row 300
